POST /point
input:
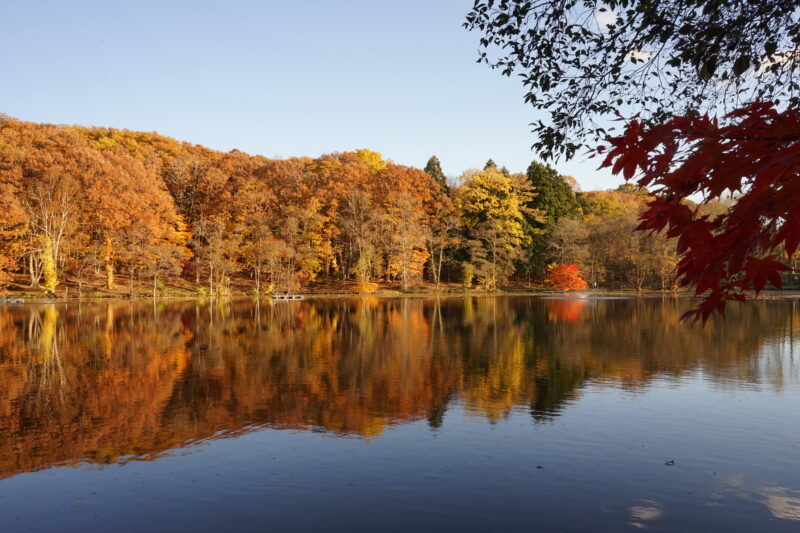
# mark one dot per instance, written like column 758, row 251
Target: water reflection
column 783, row 502
column 111, row 382
column 646, row 511
column 564, row 309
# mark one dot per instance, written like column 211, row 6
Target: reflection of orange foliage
column 156, row 382
column 114, row 382
column 567, row 310
column 565, row 278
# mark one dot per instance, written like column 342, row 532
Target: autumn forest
column 98, row 211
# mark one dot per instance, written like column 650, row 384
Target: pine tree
column 434, row 169
column 555, row 198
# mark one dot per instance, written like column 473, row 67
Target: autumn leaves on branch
column 755, row 157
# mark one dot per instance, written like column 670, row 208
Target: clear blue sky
column 299, row 77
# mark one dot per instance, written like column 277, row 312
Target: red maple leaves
column 754, row 157
column 565, row 278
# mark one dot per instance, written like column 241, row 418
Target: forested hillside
column 98, row 208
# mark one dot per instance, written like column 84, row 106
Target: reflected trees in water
column 111, row 382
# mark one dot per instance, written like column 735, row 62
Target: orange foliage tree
column 565, row 278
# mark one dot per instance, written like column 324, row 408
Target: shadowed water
column 506, row 413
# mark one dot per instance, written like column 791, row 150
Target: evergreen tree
column 554, row 195
column 555, row 198
column 434, row 169
column 490, row 164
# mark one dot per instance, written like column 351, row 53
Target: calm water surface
column 507, row 413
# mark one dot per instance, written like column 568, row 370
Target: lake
column 503, row 413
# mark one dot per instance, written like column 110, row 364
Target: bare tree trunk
column 439, row 267
column 109, row 265
column 34, row 281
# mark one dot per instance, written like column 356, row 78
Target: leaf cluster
column 755, row 157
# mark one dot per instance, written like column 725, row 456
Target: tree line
column 101, row 206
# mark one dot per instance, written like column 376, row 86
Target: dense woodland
column 98, row 208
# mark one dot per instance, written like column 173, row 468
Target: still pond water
column 504, row 414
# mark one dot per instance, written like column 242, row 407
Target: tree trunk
column 49, row 266
column 109, row 264
column 35, row 270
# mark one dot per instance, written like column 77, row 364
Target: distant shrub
column 467, row 275
column 367, row 287
column 565, row 278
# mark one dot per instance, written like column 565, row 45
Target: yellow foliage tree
column 493, row 208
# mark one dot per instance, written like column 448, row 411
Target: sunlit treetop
column 374, row 160
column 584, row 62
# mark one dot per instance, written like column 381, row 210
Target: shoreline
column 14, row 298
